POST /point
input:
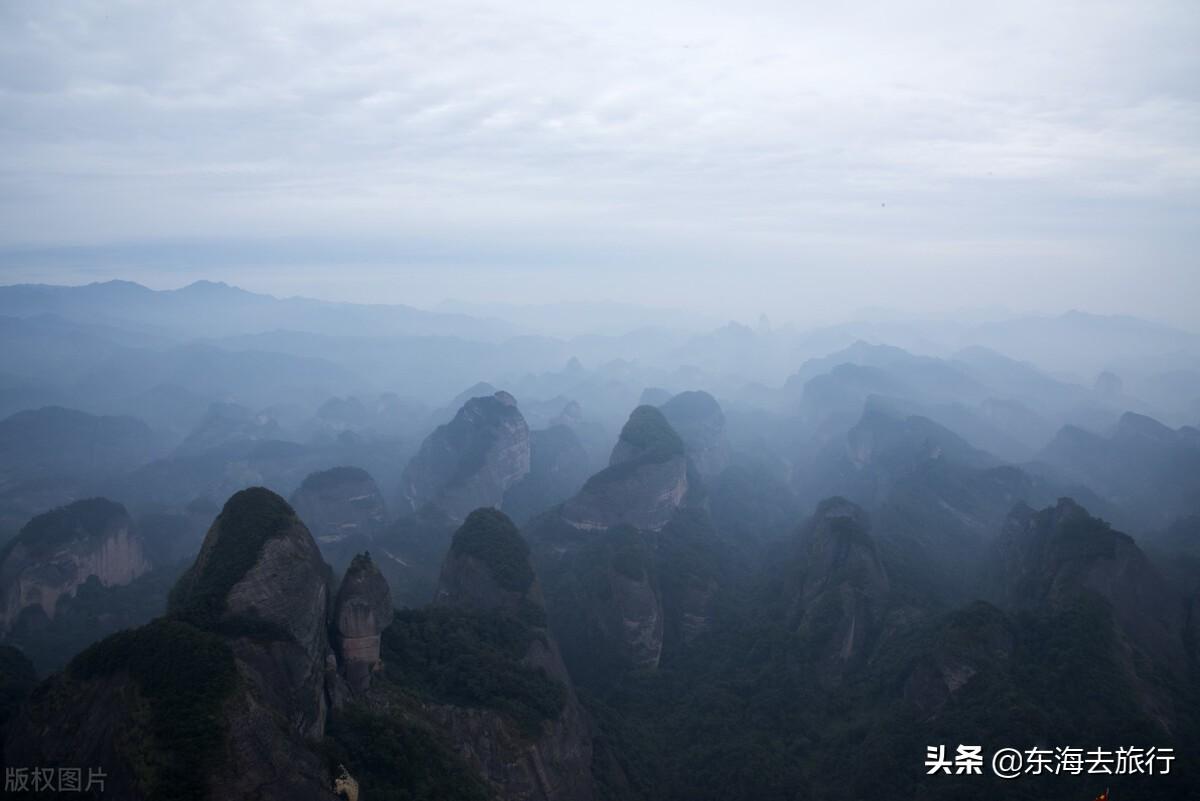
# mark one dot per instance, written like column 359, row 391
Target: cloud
column 741, row 144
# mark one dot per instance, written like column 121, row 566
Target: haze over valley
column 481, row 401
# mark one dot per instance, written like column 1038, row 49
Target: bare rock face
column 558, row 467
column 1053, row 556
column 1061, row 562
column 698, row 419
column 226, row 695
column 631, row 615
column 645, row 482
column 471, row 461
column 340, row 504
column 488, row 571
column 260, row 581
column 363, row 611
column 844, row 587
column 57, row 551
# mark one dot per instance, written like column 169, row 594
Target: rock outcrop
column 558, row 467
column 237, row 692
column 843, row 587
column 344, row 510
column 57, row 551
column 1053, row 557
column 698, row 419
column 645, row 482
column 1149, row 473
column 471, row 461
column 226, row 695
column 363, row 610
column 488, row 571
column 340, row 504
column 224, row 423
column 260, row 580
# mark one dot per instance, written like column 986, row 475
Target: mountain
column 645, row 482
column 1061, row 553
column 222, row 697
column 208, row 309
column 472, row 460
column 58, row 551
column 844, row 588
column 52, row 456
column 699, row 421
column 878, row 450
column 558, row 467
column 1150, row 472
column 362, row 611
column 257, row 684
column 489, row 672
column 54, row 440
column 343, row 508
column 1083, row 344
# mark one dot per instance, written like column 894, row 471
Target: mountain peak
column 647, row 433
column 256, row 562
column 488, row 569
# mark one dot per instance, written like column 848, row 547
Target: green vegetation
column 94, row 612
column 185, row 675
column 471, row 659
column 248, row 521
column 17, row 678
column 86, row 519
column 396, row 760
column 489, row 536
column 471, row 439
column 648, row 430
column 335, row 476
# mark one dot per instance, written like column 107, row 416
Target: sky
column 795, row 158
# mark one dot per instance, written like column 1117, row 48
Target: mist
column 600, row 402
column 800, row 162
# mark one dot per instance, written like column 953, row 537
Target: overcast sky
column 802, row 159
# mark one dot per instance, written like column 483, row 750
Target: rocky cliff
column 238, row 692
column 1149, row 473
column 57, row 551
column 1056, row 556
column 344, row 510
column 488, row 571
column 224, row 697
column 558, row 467
column 471, row 461
column 698, row 419
column 843, row 587
column 340, row 504
column 260, row 580
column 363, row 610
column 645, row 482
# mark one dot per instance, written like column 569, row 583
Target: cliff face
column 340, row 504
column 56, row 552
column 260, row 580
column 1052, row 557
column 488, row 571
column 645, row 482
column 471, row 461
column 225, row 695
column 558, row 467
column 237, row 693
column 1149, row 472
column 698, row 419
column 843, row 586
column 362, row 612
